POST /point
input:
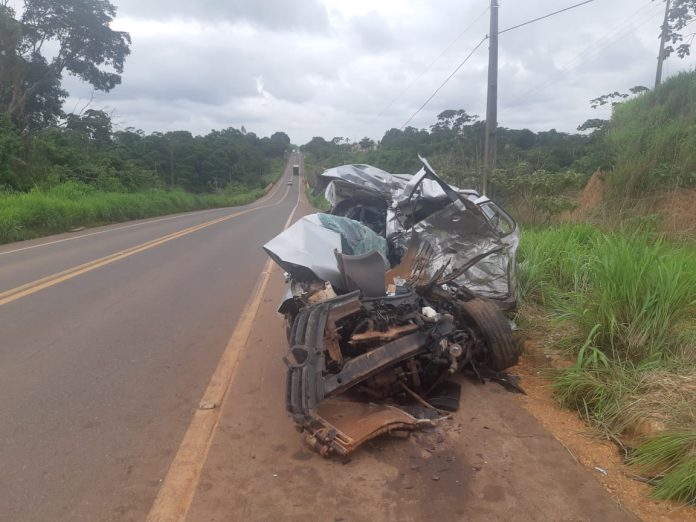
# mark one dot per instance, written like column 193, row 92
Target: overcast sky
column 340, row 67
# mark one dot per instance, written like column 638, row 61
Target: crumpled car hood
column 310, row 243
column 455, row 225
column 366, row 176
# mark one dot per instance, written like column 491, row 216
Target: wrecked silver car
column 404, row 284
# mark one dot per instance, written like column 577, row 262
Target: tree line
column 41, row 145
column 539, row 165
column 85, row 148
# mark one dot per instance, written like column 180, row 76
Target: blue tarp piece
column 356, row 238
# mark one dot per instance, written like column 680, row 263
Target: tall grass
column 319, row 201
column 70, row 205
column 672, row 456
column 628, row 294
column 626, row 302
column 653, row 138
column 552, row 262
column 641, row 292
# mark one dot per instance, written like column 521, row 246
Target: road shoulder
column 493, row 462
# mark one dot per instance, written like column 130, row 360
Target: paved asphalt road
column 101, row 373
column 493, row 463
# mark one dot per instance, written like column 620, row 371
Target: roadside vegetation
column 537, row 174
column 618, row 297
column 72, row 204
column 654, row 139
column 85, row 174
column 61, row 170
column 622, row 304
column 312, row 169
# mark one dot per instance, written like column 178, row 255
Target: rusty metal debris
column 403, row 285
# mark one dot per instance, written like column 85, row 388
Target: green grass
column 318, row 201
column 672, row 457
column 312, row 169
column 640, row 292
column 625, row 305
column 617, row 397
column 653, row 138
column 70, row 205
column 552, row 262
column 627, row 294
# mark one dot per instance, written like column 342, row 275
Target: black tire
column 503, row 349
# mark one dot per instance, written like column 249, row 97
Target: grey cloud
column 280, row 15
column 373, row 32
column 216, row 69
column 332, row 75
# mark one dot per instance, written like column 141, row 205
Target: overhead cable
column 445, row 82
column 545, row 16
column 398, row 96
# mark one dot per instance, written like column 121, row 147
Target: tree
column 453, row 120
column 681, row 14
column 82, row 43
column 10, row 149
column 367, row 144
column 616, row 97
column 280, row 142
column 594, row 125
column 93, row 125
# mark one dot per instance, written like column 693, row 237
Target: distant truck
column 295, row 170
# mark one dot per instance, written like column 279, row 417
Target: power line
column 632, row 22
column 431, row 64
column 446, row 80
column 639, row 18
column 549, row 15
column 545, row 16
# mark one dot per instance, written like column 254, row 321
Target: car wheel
column 503, row 349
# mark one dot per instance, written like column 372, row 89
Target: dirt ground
column 502, row 456
column 674, row 208
column 592, row 452
column 493, row 461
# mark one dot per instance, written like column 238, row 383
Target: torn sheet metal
column 383, row 308
column 458, row 235
column 367, row 177
column 341, row 426
column 306, row 249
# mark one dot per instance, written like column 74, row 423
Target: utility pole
column 663, row 41
column 489, row 154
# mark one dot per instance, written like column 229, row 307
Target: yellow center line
column 27, row 289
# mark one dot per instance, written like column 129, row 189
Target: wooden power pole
column 489, row 154
column 663, row 41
